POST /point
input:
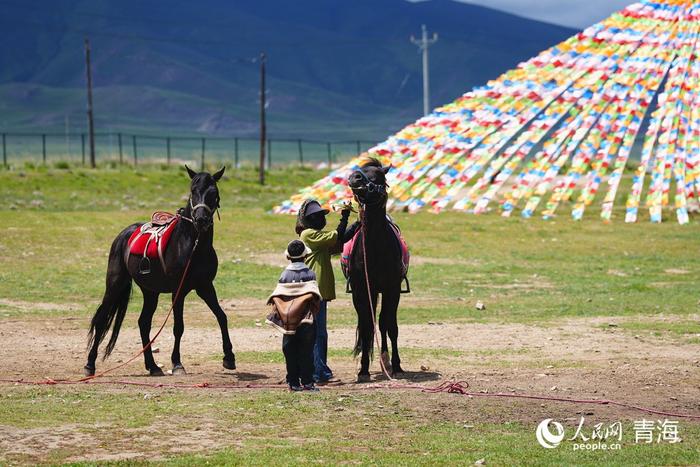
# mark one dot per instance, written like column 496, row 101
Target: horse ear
column 191, row 172
column 217, row 176
column 386, row 169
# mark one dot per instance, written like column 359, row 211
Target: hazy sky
column 574, row 13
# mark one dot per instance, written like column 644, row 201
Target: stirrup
column 145, row 265
column 408, row 286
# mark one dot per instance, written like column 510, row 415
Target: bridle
column 368, row 187
column 206, row 207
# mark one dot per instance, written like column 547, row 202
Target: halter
column 368, row 187
column 210, row 211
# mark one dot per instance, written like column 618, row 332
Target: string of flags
column 559, row 130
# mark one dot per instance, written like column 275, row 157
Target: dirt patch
column 37, row 306
column 676, row 271
column 573, row 358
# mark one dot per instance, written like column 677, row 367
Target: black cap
column 313, row 207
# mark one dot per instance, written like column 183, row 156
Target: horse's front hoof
column 88, row 371
column 230, row 363
column 179, row 370
column 156, row 372
column 363, row 378
column 398, row 373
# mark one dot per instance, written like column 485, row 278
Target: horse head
column 368, row 183
column 204, row 197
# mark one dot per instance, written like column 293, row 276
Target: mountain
column 336, row 69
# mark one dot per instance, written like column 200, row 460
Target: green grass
column 56, row 234
column 57, row 226
column 278, row 428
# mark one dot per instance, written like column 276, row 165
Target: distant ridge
column 336, row 69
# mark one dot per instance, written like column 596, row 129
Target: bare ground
column 575, row 358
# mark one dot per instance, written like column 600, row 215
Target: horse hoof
column 398, row 373
column 230, row 363
column 88, row 371
column 156, row 372
column 362, row 378
column 179, row 370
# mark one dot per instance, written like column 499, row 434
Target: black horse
column 195, row 225
column 378, row 244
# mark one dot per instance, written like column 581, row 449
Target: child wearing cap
column 295, row 302
column 311, row 221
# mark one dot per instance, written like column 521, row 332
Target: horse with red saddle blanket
column 155, row 256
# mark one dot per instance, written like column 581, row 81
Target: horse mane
column 372, row 162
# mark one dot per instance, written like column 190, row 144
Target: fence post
column 136, row 154
column 301, row 153
column 203, row 150
column 235, row 152
column 4, row 149
column 167, row 144
column 43, row 148
column 359, row 148
column 82, row 146
column 330, row 160
column 121, row 154
column 269, row 154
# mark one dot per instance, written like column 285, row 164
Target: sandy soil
column 577, row 358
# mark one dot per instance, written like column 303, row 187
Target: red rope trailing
column 165, row 321
column 449, row 387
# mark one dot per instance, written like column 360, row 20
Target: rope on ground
column 449, row 387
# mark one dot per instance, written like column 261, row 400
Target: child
column 295, row 301
column 311, row 221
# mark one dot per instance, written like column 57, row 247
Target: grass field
column 573, row 309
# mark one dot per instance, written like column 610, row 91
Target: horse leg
column 390, row 306
column 150, row 302
column 384, row 356
column 208, row 294
column 365, row 330
column 178, row 330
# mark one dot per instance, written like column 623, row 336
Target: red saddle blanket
column 151, row 239
column 348, row 247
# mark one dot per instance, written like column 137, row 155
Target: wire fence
column 128, row 148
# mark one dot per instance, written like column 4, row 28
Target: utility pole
column 91, row 127
column 263, row 129
column 423, row 45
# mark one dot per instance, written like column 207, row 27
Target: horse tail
column 358, row 342
column 357, row 350
column 112, row 310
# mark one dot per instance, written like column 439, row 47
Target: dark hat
column 313, row 207
column 297, row 250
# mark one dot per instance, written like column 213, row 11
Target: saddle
column 151, row 240
column 405, row 255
